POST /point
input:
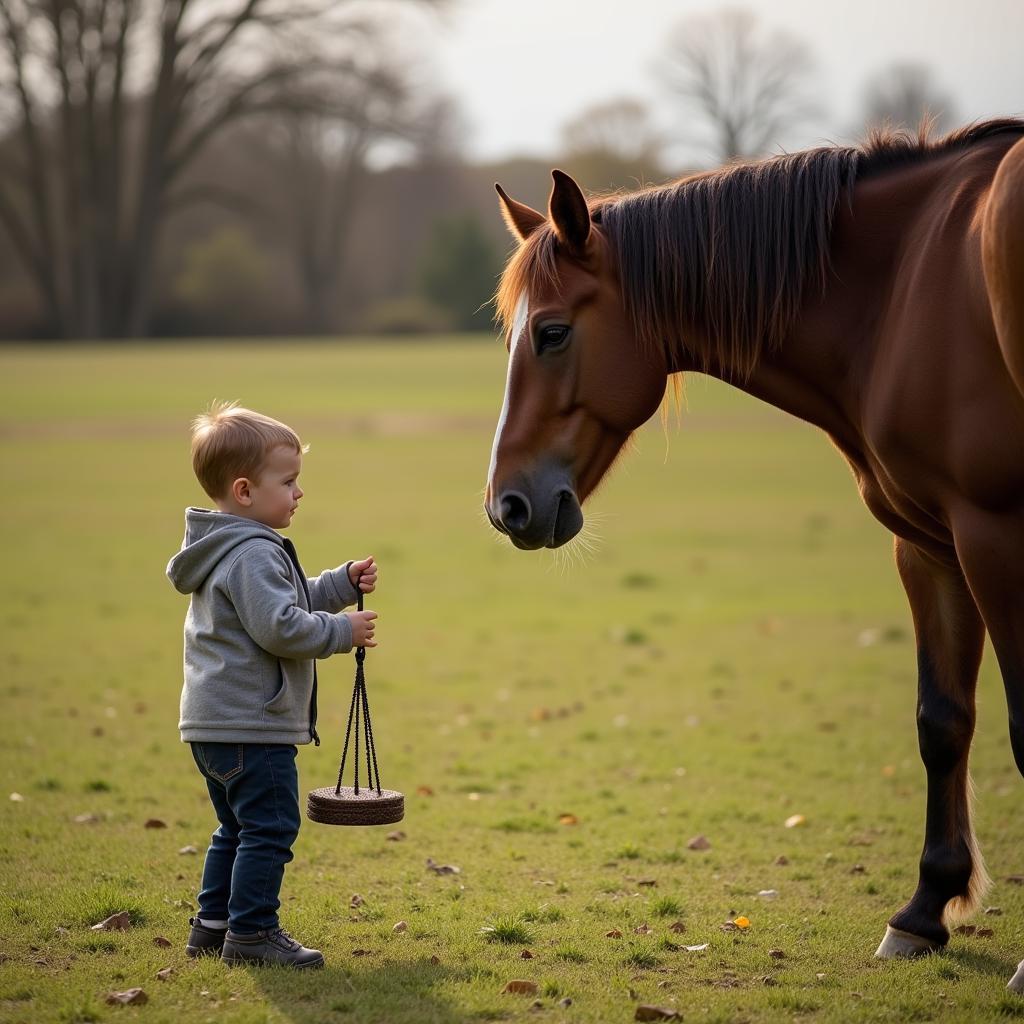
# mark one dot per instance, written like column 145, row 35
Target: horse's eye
column 551, row 338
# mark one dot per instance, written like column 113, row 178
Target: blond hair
column 229, row 442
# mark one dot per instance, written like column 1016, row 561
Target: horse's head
column 578, row 383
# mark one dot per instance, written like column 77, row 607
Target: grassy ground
column 737, row 650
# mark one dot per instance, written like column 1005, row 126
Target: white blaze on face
column 518, row 326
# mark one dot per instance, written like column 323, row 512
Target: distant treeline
column 423, row 244
column 179, row 167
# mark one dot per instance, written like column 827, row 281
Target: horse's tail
column 1002, row 251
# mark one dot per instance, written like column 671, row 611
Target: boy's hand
column 363, row 574
column 362, row 628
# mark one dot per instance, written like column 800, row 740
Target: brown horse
column 877, row 292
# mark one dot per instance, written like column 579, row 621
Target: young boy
column 254, row 626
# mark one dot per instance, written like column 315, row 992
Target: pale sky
column 521, row 68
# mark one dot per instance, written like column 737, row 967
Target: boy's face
column 275, row 497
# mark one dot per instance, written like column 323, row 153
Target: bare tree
column 111, row 101
column 392, row 106
column 905, row 96
column 321, row 162
column 619, row 128
column 748, row 87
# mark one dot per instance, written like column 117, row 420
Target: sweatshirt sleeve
column 332, row 590
column 260, row 587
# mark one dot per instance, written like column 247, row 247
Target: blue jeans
column 254, row 788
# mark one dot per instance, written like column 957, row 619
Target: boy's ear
column 240, row 491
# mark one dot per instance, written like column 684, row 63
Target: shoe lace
column 281, row 936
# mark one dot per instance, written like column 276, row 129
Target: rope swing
column 355, row 805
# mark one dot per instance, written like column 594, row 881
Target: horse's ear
column 569, row 213
column 522, row 220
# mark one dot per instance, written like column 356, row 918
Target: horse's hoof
column 898, row 943
column 1016, row 983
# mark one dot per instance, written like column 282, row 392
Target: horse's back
column 1002, row 249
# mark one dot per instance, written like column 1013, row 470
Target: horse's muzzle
column 538, row 516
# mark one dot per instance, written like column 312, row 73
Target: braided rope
column 359, row 700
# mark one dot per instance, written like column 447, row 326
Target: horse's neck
column 821, row 371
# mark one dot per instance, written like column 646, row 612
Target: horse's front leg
column 950, row 638
column 991, row 549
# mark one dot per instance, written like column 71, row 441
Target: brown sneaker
column 269, row 946
column 203, row 941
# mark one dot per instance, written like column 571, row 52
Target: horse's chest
column 897, row 504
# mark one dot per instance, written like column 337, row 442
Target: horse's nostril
column 515, row 512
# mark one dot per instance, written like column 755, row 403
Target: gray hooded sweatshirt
column 251, row 633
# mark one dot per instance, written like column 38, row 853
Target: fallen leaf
column 678, row 927
column 644, row 1012
column 362, row 952
column 648, row 883
column 994, row 911
column 155, row 823
column 966, row 929
column 776, row 954
column 858, row 869
column 795, row 820
column 115, row 923
column 86, row 819
column 435, row 959
column 356, row 901
column 424, row 791
column 526, row 955
column 400, row 926
column 540, row 714
column 568, row 819
column 699, row 843
column 984, row 933
column 565, row 1003
column 17, row 798
column 729, row 926
column 472, row 796
column 769, row 894
column 188, row 851
column 613, row 934
column 520, row 987
column 868, row 637
column 132, row 997
column 643, row 929
column 742, row 922
column 165, row 974
column 781, row 861
column 442, row 869
column 160, row 941
column 768, row 980
column 395, row 837
column 1015, row 879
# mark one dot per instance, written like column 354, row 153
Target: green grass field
column 736, row 649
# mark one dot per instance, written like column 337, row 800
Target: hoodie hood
column 209, row 536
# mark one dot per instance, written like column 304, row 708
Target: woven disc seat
column 331, row 806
